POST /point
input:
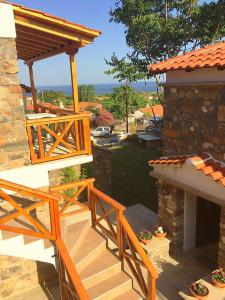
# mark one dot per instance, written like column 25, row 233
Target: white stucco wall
column 199, row 75
column 7, row 23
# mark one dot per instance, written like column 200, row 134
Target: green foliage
column 93, row 110
column 55, row 97
column 159, row 29
column 86, row 92
column 116, row 101
column 69, row 175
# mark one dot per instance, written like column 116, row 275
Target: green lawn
column 131, row 182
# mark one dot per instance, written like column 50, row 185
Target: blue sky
column 90, row 60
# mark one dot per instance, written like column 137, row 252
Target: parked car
column 101, row 131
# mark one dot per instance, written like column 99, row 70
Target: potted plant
column 218, row 278
column 145, row 236
column 160, row 231
column 199, row 290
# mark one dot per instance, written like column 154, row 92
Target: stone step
column 103, row 266
column 111, row 287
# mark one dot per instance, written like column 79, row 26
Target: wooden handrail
column 56, row 119
column 148, row 264
column 108, row 199
column 71, row 185
column 71, row 270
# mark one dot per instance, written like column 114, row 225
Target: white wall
column 190, row 205
column 7, row 23
column 199, row 75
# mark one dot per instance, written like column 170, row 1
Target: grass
column 131, row 182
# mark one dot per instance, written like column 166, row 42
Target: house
column 148, row 111
column 191, row 171
column 49, row 232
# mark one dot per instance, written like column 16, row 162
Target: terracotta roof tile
column 207, row 57
column 158, row 110
column 203, row 162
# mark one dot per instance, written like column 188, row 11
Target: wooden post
column 33, row 91
column 73, row 72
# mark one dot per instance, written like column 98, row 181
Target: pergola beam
column 33, row 41
column 32, row 84
column 55, row 52
column 28, row 46
column 73, row 72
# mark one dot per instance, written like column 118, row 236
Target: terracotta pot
column 146, row 242
column 161, row 235
column 218, row 284
column 197, row 296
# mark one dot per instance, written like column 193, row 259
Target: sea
column 103, row 88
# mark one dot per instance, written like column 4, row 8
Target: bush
column 105, row 119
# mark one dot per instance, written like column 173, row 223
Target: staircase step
column 130, row 294
column 103, row 266
column 111, row 287
column 92, row 245
column 74, row 234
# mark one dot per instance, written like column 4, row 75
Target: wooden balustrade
column 30, row 224
column 59, row 137
column 108, row 216
column 71, row 287
column 69, row 194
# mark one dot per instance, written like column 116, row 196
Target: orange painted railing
column 70, row 193
column 13, row 207
column 53, row 109
column 108, row 216
column 30, row 224
column 59, row 137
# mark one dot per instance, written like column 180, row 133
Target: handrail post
column 93, row 208
column 151, row 288
column 55, row 219
column 90, row 185
column 119, row 233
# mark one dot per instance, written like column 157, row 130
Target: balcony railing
column 59, row 137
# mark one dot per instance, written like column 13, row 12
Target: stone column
column 221, row 255
column 14, row 151
column 171, row 213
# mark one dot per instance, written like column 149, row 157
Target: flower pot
column 197, row 296
column 146, row 242
column 160, row 235
column 218, row 284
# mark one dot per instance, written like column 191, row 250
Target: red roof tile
column 203, row 162
column 207, row 57
column 158, row 110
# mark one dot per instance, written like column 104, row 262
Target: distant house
column 141, row 113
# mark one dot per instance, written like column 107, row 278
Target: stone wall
column 19, row 275
column 171, row 213
column 14, row 150
column 221, row 260
column 102, row 168
column 195, row 120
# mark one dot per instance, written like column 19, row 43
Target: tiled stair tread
column 92, row 241
column 74, row 232
column 129, row 295
column 108, row 285
column 100, row 264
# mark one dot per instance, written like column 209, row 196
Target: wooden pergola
column 40, row 36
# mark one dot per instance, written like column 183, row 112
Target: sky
column 90, row 59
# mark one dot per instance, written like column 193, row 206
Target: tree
column 105, row 119
column 124, row 71
column 86, row 92
column 55, row 97
column 90, row 92
column 116, row 104
column 159, row 29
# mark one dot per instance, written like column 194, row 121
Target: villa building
column 191, row 173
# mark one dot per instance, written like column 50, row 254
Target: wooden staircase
column 80, row 237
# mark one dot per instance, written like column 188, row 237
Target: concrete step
column 92, row 245
column 110, row 288
column 103, row 266
column 74, row 234
column 129, row 295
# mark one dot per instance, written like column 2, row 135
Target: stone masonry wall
column 221, row 260
column 14, row 151
column 18, row 275
column 171, row 212
column 194, row 120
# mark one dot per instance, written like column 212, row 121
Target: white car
column 101, row 131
